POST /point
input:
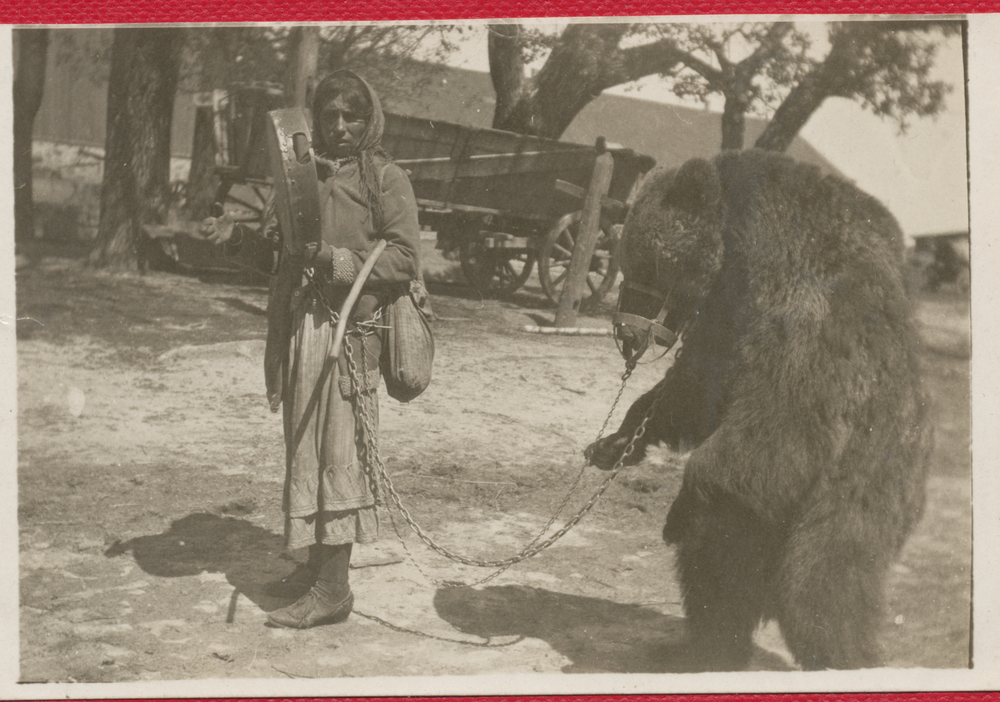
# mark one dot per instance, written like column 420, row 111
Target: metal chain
column 533, row 547
column 562, row 505
column 403, row 630
column 310, row 274
column 366, row 327
column 369, row 438
column 370, row 442
column 427, row 576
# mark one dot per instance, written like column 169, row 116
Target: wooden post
column 303, row 58
column 586, row 240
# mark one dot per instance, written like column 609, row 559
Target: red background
column 801, row 697
column 153, row 11
column 133, row 11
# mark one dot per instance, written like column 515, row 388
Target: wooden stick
column 586, row 241
column 352, row 297
column 568, row 331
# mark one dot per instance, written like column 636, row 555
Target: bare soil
column 150, row 474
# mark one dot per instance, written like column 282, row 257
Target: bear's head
column 671, row 250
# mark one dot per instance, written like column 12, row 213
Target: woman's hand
column 319, row 253
column 337, row 264
column 218, row 230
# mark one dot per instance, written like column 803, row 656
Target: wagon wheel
column 245, row 201
column 495, row 272
column 554, row 258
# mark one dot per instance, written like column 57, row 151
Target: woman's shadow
column 597, row 635
column 249, row 556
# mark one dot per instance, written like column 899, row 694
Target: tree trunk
column 202, row 180
column 571, row 78
column 584, row 62
column 733, row 123
column 793, row 114
column 506, row 71
column 832, row 78
column 29, row 82
column 145, row 64
column 218, row 47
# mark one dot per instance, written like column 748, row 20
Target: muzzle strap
column 654, row 328
column 638, row 287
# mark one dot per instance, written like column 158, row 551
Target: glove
column 342, row 270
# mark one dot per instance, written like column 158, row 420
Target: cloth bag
column 408, row 352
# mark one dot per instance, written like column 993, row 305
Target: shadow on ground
column 250, row 557
column 597, row 635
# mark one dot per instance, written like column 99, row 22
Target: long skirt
column 329, row 497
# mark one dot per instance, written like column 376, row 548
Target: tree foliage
column 885, row 66
column 782, row 69
column 223, row 57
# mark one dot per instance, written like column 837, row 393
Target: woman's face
column 342, row 127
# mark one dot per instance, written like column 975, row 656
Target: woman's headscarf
column 370, row 155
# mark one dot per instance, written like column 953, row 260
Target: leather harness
column 654, row 329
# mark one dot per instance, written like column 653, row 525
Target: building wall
column 74, row 104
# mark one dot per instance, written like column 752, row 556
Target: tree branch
column 648, row 59
column 770, row 45
column 710, row 73
column 832, row 78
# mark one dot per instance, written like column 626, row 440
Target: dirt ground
column 150, row 474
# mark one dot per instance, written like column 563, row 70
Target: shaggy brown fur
column 797, row 388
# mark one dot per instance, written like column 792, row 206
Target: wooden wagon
column 505, row 201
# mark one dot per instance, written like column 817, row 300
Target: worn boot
column 329, row 601
column 299, row 581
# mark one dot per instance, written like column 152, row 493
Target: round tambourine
column 296, row 186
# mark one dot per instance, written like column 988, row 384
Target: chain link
column 403, row 630
column 380, row 477
column 367, row 428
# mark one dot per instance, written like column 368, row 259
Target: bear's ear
column 695, row 188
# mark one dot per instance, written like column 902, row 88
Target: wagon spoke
column 557, row 253
column 507, row 272
column 566, row 242
column 567, row 253
column 245, row 203
column 495, row 271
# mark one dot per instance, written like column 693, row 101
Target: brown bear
column 796, row 390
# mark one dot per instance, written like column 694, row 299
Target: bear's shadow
column 596, row 635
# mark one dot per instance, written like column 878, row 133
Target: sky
column 919, row 175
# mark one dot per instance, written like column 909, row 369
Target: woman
column 329, row 499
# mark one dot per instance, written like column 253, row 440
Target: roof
column 73, row 111
column 671, row 134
